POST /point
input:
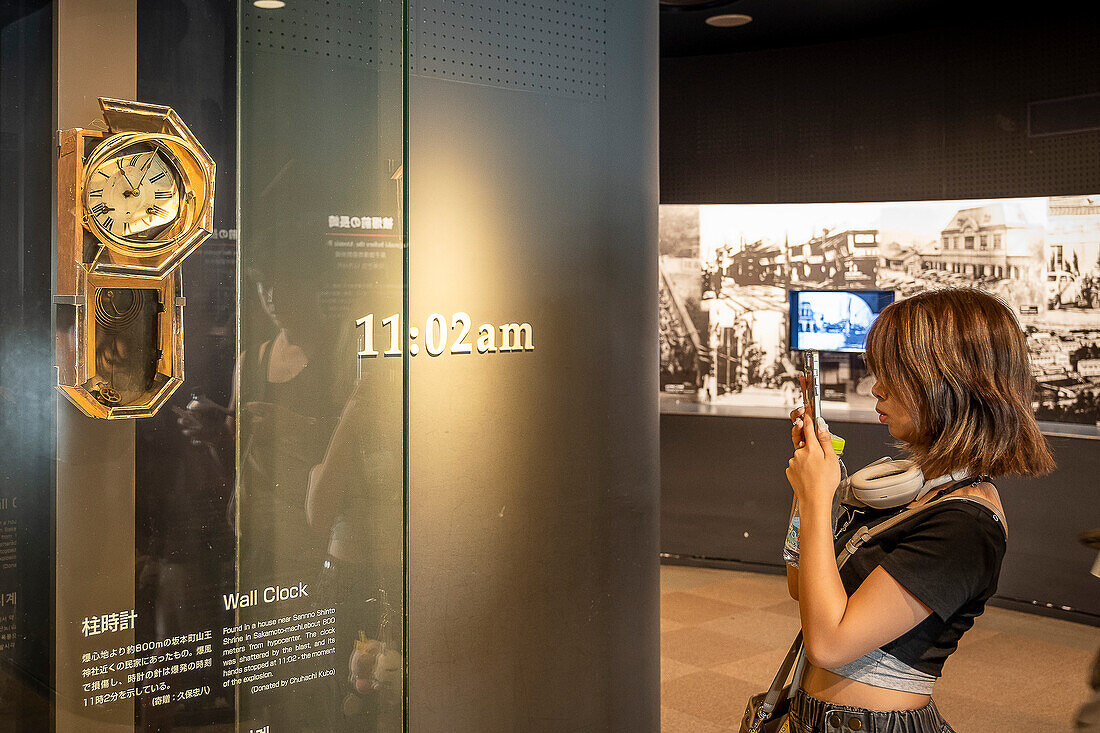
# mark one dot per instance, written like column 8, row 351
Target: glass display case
column 230, row 556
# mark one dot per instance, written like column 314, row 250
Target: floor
column 724, row 633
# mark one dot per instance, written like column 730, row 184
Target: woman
column 953, row 387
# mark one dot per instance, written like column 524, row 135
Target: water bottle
column 790, row 545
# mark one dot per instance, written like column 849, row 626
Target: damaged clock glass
column 138, row 192
column 134, row 196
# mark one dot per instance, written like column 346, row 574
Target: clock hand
column 124, row 176
column 145, row 172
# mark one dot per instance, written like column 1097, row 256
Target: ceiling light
column 729, row 20
column 268, row 4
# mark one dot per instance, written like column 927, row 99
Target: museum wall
column 26, row 353
column 533, row 573
column 936, row 114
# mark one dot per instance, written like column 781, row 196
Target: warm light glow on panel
column 729, row 20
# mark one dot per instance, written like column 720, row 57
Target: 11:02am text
column 437, row 335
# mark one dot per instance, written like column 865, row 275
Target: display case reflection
column 319, row 496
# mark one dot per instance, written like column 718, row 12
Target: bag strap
column 771, row 699
column 796, row 657
column 864, row 534
column 988, row 505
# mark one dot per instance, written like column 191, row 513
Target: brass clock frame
column 91, row 259
column 182, row 232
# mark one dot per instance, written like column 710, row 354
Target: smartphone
column 811, row 393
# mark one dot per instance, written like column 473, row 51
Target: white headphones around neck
column 889, row 483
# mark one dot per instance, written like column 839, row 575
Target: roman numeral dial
column 135, row 196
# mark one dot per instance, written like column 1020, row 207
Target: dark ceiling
column 782, row 23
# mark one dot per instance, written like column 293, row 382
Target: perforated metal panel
column 360, row 32
column 923, row 115
column 554, row 47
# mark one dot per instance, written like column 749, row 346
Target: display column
column 95, row 52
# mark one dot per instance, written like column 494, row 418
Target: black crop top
column 947, row 556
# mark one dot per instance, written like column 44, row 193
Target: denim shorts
column 810, row 715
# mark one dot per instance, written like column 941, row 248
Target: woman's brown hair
column 958, row 358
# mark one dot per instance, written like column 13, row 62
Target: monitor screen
column 834, row 320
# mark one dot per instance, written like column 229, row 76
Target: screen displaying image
column 728, row 328
column 834, row 320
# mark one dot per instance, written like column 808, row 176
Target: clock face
column 136, row 195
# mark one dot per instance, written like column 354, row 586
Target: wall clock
column 133, row 201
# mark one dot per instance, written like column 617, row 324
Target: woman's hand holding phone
column 802, row 412
column 796, row 425
column 807, row 398
column 814, row 471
